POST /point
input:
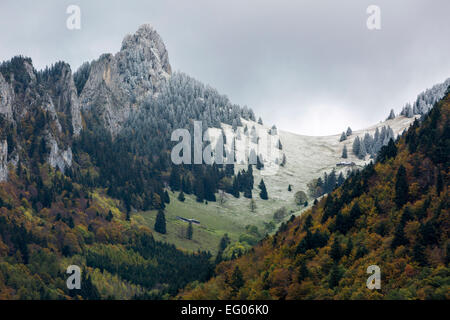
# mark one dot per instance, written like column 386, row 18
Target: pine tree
column 199, row 189
column 349, row 132
column 399, row 237
column 331, row 181
column 419, row 254
column 248, row 193
column 387, row 152
column 223, row 244
column 166, row 197
column 401, row 187
column 88, row 290
column 344, row 152
column 336, row 251
column 235, row 188
column 362, row 150
column 356, row 146
column 187, row 185
column 391, row 115
column 263, row 194
column 308, row 223
column 303, row 272
column 160, row 223
column 335, row 276
column 349, row 248
column 279, row 145
column 283, row 160
column 174, row 180
column 237, row 280
column 340, row 180
column 259, row 163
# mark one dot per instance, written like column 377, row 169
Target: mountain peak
column 119, row 83
column 144, row 32
column 147, row 42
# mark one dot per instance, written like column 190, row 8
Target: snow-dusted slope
column 308, row 157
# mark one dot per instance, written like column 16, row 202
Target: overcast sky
column 311, row 67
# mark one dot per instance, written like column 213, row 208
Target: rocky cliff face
column 62, row 94
column 50, row 98
column 119, row 83
column 22, row 88
column 6, row 98
column 3, row 160
column 58, row 158
column 109, row 89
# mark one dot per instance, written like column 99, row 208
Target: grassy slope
column 216, row 220
column 308, row 158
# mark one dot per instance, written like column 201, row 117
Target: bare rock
column 118, row 83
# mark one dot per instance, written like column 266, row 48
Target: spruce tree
column 237, row 280
column 335, row 276
column 391, row 115
column 181, row 196
column 349, row 248
column 174, row 180
column 401, row 187
column 160, row 223
column 235, row 188
column 336, row 251
column 344, row 153
column 419, row 254
column 349, row 131
column 362, row 150
column 248, row 193
column 259, row 163
column 283, row 160
column 88, row 290
column 199, row 189
column 303, row 272
column 341, row 179
column 263, row 194
column 356, row 146
column 399, row 237
column 166, row 197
